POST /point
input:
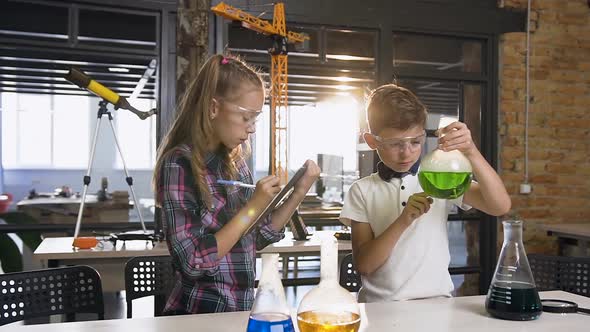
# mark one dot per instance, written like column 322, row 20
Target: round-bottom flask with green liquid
column 445, row 174
column 447, row 185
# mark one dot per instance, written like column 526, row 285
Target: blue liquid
column 270, row 322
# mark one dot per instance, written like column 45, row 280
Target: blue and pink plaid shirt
column 206, row 283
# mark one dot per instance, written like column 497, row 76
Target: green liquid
column 513, row 303
column 446, row 185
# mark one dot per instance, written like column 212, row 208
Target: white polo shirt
column 418, row 265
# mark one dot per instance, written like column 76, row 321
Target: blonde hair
column 221, row 77
column 392, row 106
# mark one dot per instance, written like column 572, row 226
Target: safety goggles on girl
column 249, row 116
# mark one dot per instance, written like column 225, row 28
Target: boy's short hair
column 392, row 106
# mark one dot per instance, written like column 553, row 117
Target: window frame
column 487, row 79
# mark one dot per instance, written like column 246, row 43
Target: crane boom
column 259, row 25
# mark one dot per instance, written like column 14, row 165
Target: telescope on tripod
column 82, row 80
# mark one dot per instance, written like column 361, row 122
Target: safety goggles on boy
column 400, row 144
column 249, row 116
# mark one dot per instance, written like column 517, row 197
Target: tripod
column 102, row 110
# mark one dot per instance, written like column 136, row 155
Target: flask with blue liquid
column 270, row 312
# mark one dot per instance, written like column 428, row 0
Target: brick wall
column 559, row 117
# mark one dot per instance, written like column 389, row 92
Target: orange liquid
column 313, row 321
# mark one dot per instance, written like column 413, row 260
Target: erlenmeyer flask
column 512, row 294
column 328, row 307
column 270, row 311
column 443, row 174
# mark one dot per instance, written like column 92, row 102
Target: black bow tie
column 386, row 173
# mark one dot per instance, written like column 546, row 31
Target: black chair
column 570, row 274
column 41, row 293
column 349, row 277
column 149, row 276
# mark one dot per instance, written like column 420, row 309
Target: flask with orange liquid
column 328, row 307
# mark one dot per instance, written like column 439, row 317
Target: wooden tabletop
column 75, row 200
column 60, row 248
column 441, row 314
column 319, row 212
column 311, row 245
column 574, row 230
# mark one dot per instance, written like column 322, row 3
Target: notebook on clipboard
column 279, row 198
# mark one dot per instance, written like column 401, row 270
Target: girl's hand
column 417, row 205
column 266, row 189
column 311, row 174
column 456, row 136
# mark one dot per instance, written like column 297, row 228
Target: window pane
column 70, row 131
column 446, row 99
column 339, row 43
column 441, row 99
column 262, row 142
column 418, row 52
column 314, row 130
column 9, row 138
column 33, row 102
column 472, row 105
column 136, row 136
column 34, row 130
column 48, row 19
column 144, row 36
column 463, row 243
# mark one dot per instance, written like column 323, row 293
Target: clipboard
column 279, row 198
column 298, row 227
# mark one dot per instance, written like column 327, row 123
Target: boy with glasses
column 399, row 234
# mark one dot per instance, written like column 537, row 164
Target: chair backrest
column 149, row 276
column 349, row 277
column 41, row 293
column 570, row 274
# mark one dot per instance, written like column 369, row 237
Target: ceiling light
column 344, row 87
column 118, row 70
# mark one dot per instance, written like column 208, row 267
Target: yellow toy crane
column 277, row 30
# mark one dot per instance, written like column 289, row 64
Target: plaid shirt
column 206, row 283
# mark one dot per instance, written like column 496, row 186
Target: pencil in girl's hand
column 235, row 183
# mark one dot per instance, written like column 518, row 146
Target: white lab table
column 441, row 315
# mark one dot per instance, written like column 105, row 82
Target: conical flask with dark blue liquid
column 270, row 312
column 512, row 294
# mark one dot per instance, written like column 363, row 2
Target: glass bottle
column 512, row 294
column 328, row 307
column 445, row 174
column 270, row 312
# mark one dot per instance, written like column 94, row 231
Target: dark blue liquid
column 513, row 303
column 270, row 322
